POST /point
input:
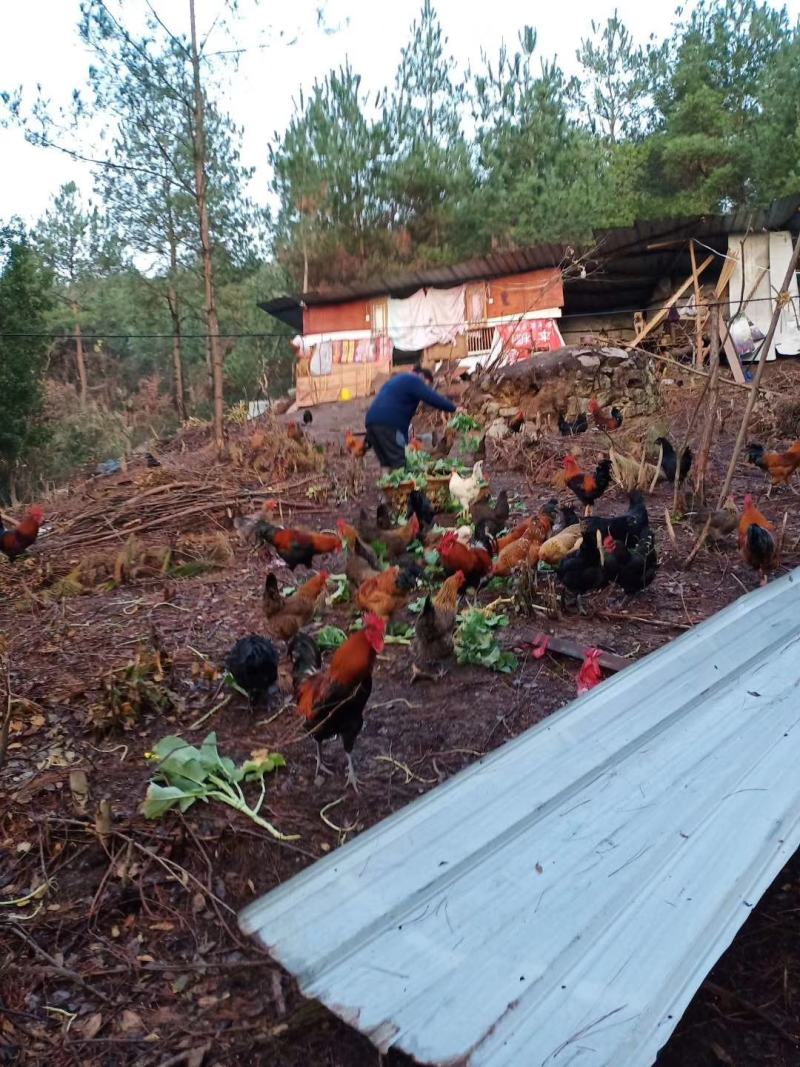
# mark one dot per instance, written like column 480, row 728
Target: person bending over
column 389, row 415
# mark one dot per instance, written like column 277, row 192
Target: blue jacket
column 398, row 400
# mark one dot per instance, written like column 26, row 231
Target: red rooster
column 353, row 445
column 296, row 547
column 17, row 540
column 587, row 487
column 756, row 543
column 609, row 422
column 516, row 422
column 332, row 701
column 473, row 561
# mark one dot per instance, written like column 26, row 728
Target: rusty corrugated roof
column 624, row 262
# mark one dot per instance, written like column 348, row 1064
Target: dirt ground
column 120, row 946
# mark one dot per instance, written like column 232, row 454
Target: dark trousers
column 388, row 444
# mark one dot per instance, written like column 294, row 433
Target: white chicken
column 467, row 490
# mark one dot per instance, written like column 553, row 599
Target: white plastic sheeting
column 560, row 901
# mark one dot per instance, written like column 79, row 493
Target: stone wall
column 565, row 380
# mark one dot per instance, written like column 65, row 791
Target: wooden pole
column 711, row 408
column 762, row 362
column 698, row 325
column 83, row 381
column 673, row 300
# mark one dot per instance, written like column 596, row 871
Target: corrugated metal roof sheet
column 611, row 247
column 560, row 901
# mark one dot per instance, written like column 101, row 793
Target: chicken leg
column 321, row 768
column 351, row 778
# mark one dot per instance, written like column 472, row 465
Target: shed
column 592, row 292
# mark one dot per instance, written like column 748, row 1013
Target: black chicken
column 564, row 516
column 625, row 528
column 308, row 418
column 632, row 566
column 669, row 461
column 494, row 517
column 253, row 664
column 419, row 505
column 583, row 572
column 580, row 424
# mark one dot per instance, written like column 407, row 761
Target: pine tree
column 325, row 176
column 703, row 157
column 428, row 174
column 613, row 93
column 25, row 300
column 76, row 247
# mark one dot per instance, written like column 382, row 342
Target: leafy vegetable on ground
column 476, row 641
column 330, row 637
column 192, row 774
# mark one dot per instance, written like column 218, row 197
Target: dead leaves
column 131, row 691
column 91, row 1026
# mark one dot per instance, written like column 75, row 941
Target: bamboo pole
column 711, row 408
column 698, row 325
column 673, row 300
column 762, row 362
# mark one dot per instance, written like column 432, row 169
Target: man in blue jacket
column 389, row 415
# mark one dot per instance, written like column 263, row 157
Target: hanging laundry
column 322, row 359
column 428, row 317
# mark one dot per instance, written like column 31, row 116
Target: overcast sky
column 39, row 44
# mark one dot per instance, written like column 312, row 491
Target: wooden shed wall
column 517, row 294
column 335, row 318
column 359, row 378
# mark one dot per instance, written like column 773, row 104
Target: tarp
column 429, row 317
column 516, row 341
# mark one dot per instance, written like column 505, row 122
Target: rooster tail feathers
column 602, row 474
column 760, row 542
column 306, row 658
column 264, row 531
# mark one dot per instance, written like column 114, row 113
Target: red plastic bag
column 590, row 674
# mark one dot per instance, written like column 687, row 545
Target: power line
column 226, row 335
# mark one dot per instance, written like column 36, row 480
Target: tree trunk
column 212, row 322
column 712, row 403
column 177, row 353
column 175, row 311
column 79, row 360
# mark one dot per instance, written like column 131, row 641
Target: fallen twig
column 410, row 775
column 729, row 994
column 6, row 725
column 199, row 722
column 661, row 623
column 333, row 826
column 65, row 972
